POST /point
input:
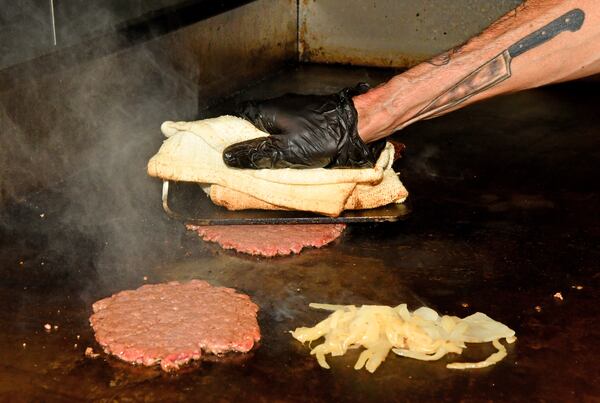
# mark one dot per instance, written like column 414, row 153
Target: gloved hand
column 306, row 131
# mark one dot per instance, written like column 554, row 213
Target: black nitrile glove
column 306, row 131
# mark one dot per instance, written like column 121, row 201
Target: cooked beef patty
column 172, row 323
column 269, row 240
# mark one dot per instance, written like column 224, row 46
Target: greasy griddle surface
column 504, row 216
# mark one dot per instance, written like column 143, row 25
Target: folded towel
column 193, row 153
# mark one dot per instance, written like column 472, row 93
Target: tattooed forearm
column 497, row 69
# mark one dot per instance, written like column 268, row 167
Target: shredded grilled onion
column 422, row 334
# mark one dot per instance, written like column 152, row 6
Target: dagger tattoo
column 497, row 69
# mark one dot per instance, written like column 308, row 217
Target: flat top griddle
column 187, row 202
column 505, row 214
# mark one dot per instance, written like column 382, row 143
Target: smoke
column 78, row 131
column 423, row 164
column 120, row 104
column 75, row 147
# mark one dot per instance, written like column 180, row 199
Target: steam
column 422, row 163
column 120, row 104
column 76, row 139
column 86, row 132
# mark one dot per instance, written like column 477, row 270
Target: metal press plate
column 187, row 202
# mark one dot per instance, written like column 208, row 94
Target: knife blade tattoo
column 497, row 69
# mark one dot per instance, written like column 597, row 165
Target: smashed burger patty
column 269, row 240
column 174, row 323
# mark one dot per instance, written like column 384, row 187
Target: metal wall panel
column 37, row 28
column 25, row 30
column 390, row 33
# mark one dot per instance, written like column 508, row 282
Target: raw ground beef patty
column 172, row 323
column 269, row 240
